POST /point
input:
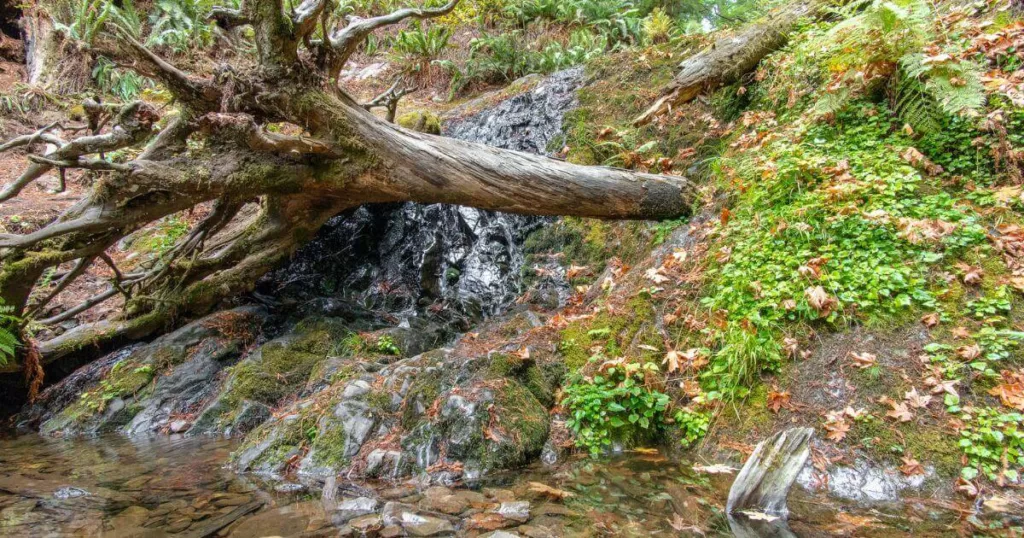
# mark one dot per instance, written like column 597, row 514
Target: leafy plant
column 181, row 24
column 85, row 19
column 125, row 84
column 8, row 333
column 420, row 47
column 614, row 405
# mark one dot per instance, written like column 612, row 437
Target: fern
column 912, row 103
column 8, row 334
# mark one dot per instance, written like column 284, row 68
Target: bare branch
column 80, row 266
column 257, row 138
column 389, row 99
column 347, row 40
column 72, row 312
column 133, row 124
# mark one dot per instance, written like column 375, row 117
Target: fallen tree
column 729, row 58
column 219, row 150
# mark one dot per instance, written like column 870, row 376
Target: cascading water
column 407, row 259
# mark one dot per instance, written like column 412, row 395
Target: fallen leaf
column 900, row 411
column 554, row 493
column 943, row 385
column 576, row 270
column 930, row 320
column 716, row 468
column 836, row 426
column 969, row 353
column 523, row 353
column 791, row 345
column 1011, row 390
column 917, row 400
column 778, row 400
column 819, row 299
column 654, row 273
column 966, row 487
column 724, row 216
column 758, row 516
column 864, row 359
column 911, row 467
column 961, row 332
column 672, row 360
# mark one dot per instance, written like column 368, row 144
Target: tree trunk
column 728, row 59
column 42, row 50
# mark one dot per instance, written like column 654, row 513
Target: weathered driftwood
column 725, row 61
column 764, row 481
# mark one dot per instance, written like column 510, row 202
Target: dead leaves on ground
column 864, row 359
column 778, row 400
column 692, row 359
column 911, row 467
column 820, row 300
column 1011, row 391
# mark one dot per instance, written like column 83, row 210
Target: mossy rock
column 422, row 121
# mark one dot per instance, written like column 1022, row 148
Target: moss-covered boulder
column 438, row 412
column 422, row 121
column 140, row 388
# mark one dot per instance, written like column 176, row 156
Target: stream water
column 119, row 487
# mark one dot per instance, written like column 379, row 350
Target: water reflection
column 140, row 487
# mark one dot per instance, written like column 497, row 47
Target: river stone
column 353, row 508
column 763, row 483
column 516, row 510
column 500, row 534
column 421, row 525
column 867, row 482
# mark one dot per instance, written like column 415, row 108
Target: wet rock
column 763, row 483
column 133, row 516
column 368, row 525
column 865, row 481
column 69, row 492
column 146, row 384
column 353, row 508
column 500, row 534
column 515, row 511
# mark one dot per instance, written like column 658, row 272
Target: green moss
column 523, row 418
column 612, row 334
column 420, row 120
column 329, row 445
column 425, row 389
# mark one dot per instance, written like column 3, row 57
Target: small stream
column 118, row 486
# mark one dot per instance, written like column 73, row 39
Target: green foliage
column 813, row 239
column 124, row 84
column 8, row 333
column 386, row 345
column 418, row 46
column 181, row 24
column 658, row 26
column 83, row 20
column 693, row 426
column 614, row 405
column 496, row 58
column 990, row 437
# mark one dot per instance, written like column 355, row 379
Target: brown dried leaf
column 916, row 399
column 819, row 299
column 911, row 467
column 900, row 412
column 1011, row 390
column 930, row 320
column 778, row 400
column 864, row 359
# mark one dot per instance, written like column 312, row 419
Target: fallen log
column 729, row 58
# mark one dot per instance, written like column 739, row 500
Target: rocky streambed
column 121, row 486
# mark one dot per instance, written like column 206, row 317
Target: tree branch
column 347, row 40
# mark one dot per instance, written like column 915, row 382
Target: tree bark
column 728, row 59
column 41, row 48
